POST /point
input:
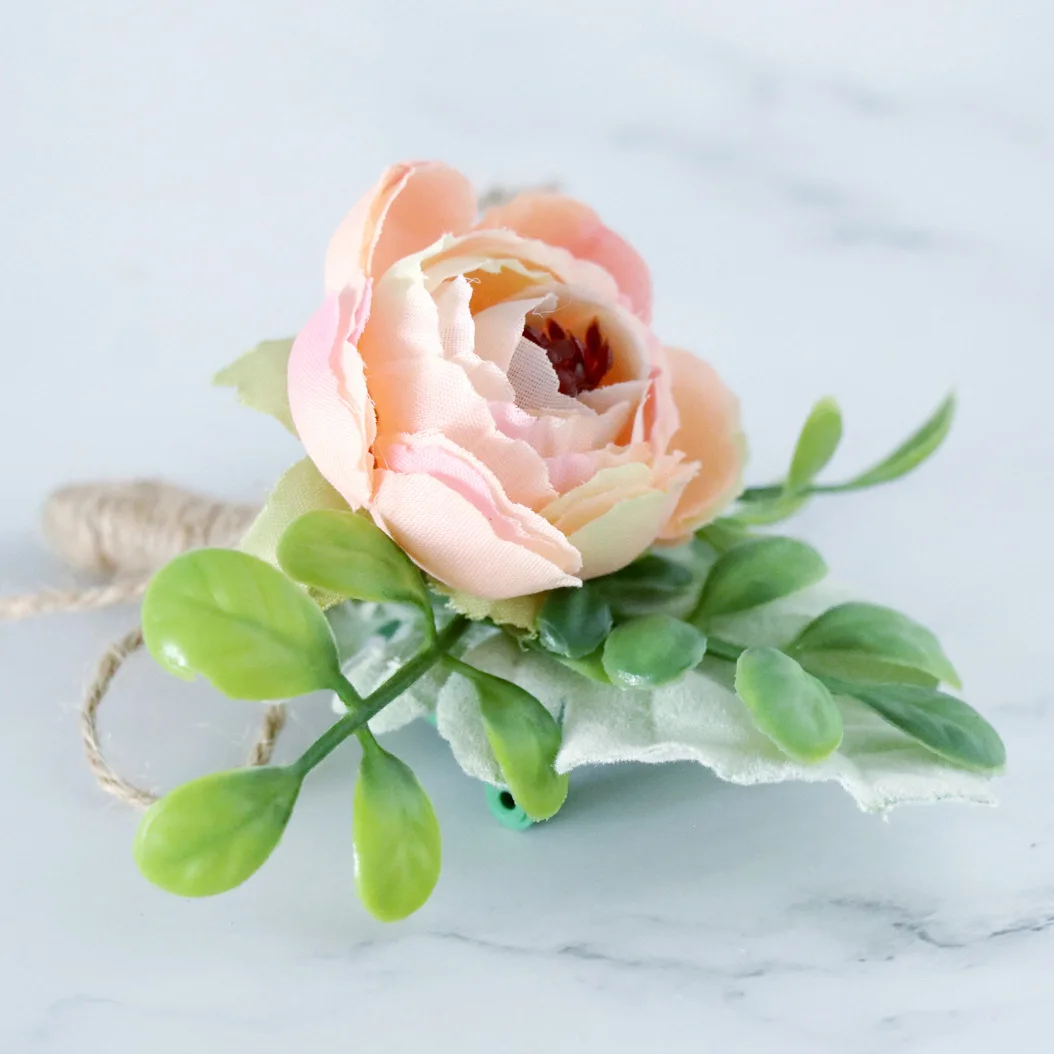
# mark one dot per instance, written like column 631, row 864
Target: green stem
column 774, row 490
column 723, row 649
column 363, row 710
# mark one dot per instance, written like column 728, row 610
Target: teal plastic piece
column 500, row 802
column 503, row 806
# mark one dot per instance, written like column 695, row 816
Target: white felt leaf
column 700, row 719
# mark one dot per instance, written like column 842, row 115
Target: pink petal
column 450, row 515
column 331, row 407
column 412, row 205
column 562, row 221
column 709, row 433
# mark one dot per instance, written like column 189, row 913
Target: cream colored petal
column 617, row 538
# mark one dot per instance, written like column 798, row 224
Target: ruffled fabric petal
column 328, row 399
column 412, row 205
column 559, row 220
column 432, row 496
column 709, row 433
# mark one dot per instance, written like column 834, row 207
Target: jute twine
column 125, row 532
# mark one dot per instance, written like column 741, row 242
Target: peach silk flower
column 490, row 391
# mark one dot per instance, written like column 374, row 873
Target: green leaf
column 398, row 848
column 301, row 489
column 211, row 834
column 788, row 705
column 723, row 534
column 869, row 632
column 756, row 572
column 651, row 651
column 525, row 739
column 760, row 512
column 259, row 377
column 911, row 453
column 853, row 666
column 649, row 582
column 940, row 722
column 240, row 623
column 820, row 436
column 574, row 622
column 591, row 666
column 347, row 554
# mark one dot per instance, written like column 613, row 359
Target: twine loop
column 126, row 532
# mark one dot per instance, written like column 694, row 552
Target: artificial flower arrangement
column 522, row 516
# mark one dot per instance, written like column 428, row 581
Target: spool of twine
column 124, row 532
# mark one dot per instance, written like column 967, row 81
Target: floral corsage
column 522, row 517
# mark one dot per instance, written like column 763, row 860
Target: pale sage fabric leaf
column 259, row 378
column 700, row 719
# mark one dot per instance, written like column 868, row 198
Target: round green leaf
column 239, row 622
column 210, row 835
column 525, row 739
column 820, row 436
column 649, row 582
column 347, row 554
column 857, row 631
column 946, row 725
column 398, row 848
column 574, row 622
column 757, row 571
column 651, row 651
column 788, row 705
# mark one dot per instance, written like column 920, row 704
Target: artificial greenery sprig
column 257, row 632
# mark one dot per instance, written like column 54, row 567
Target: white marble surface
column 837, row 197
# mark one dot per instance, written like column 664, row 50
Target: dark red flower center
column 580, row 364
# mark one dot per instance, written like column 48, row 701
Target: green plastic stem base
column 504, row 808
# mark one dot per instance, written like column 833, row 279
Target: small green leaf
column 870, row 632
column 820, row 436
column 788, row 705
column 852, row 666
column 591, row 666
column 239, row 622
column 574, row 622
column 911, row 453
column 649, row 582
column 347, row 554
column 651, row 651
column 211, row 834
column 398, row 847
column 761, row 512
column 259, row 377
column 756, row 572
column 723, row 534
column 940, row 722
column 525, row 739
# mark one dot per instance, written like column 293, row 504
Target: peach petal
column 562, row 221
column 608, row 482
column 491, row 251
column 553, row 435
column 449, row 513
column 709, row 433
column 328, row 400
column 411, row 206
